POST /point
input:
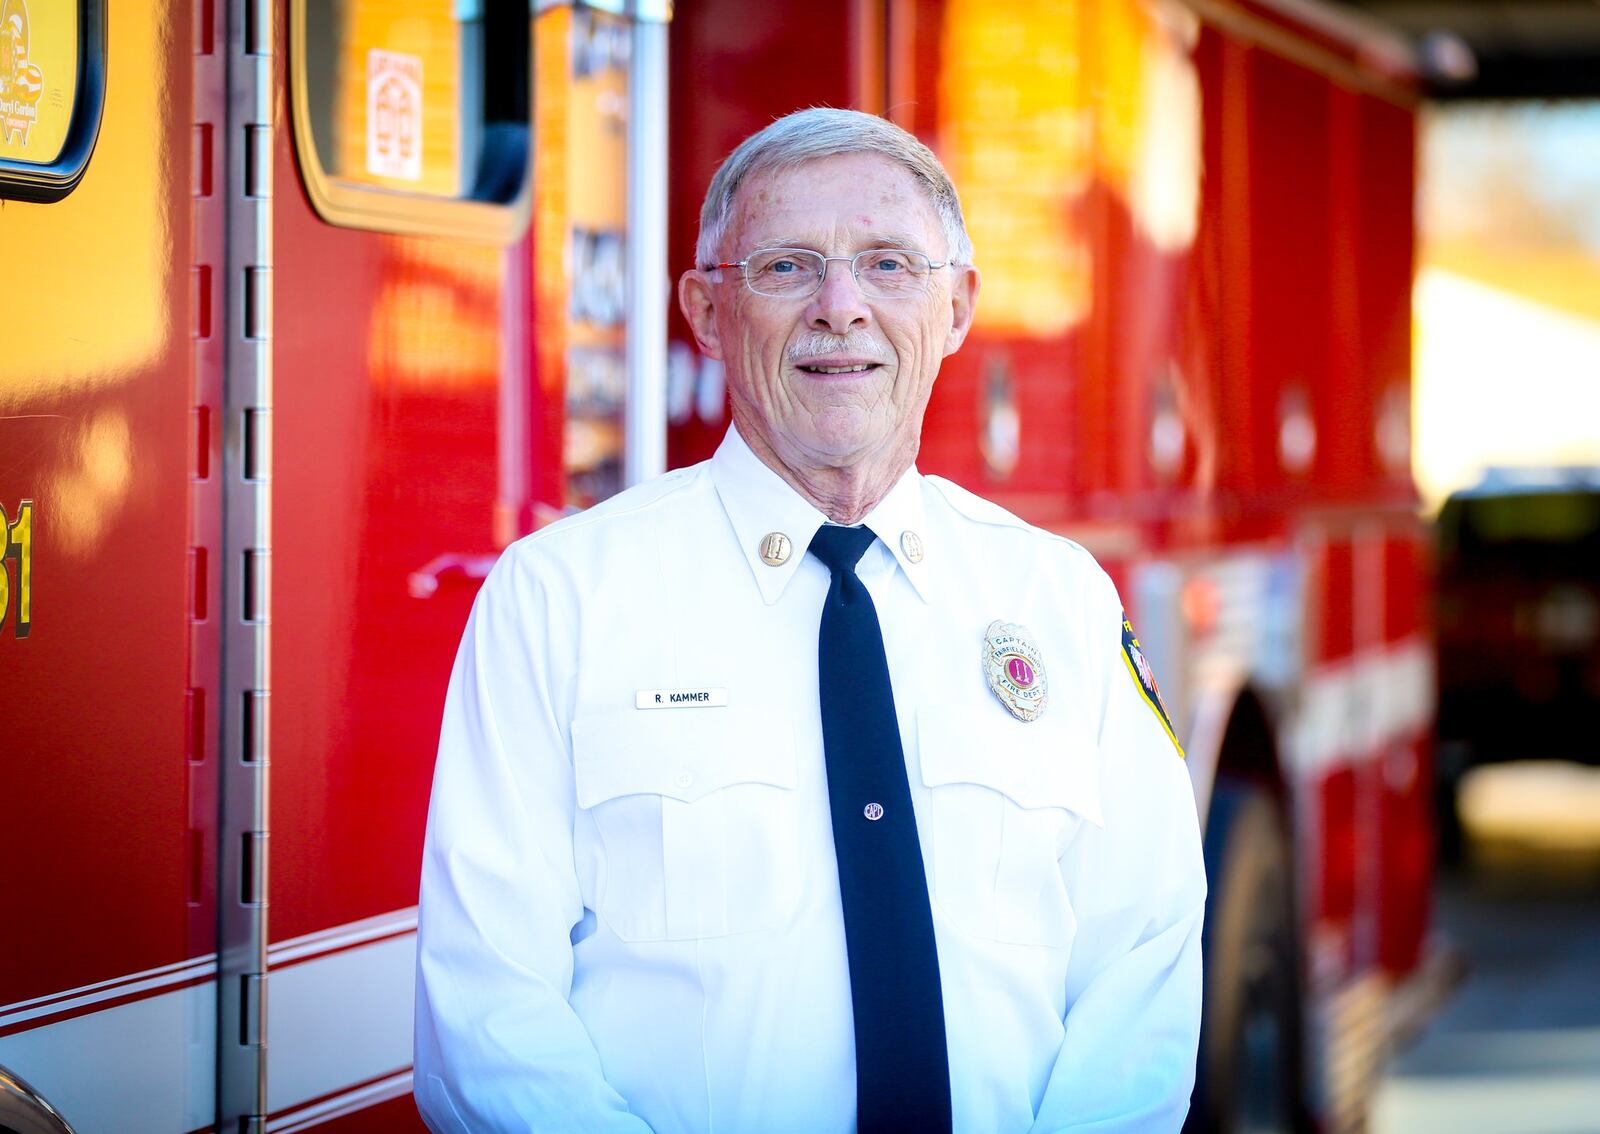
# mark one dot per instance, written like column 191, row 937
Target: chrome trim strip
column 160, row 976
column 1285, row 37
column 245, row 709
column 147, row 983
column 347, row 1102
column 391, row 924
column 649, row 286
column 1376, row 40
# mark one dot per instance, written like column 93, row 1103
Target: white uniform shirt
column 630, row 917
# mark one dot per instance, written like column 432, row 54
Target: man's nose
column 838, row 305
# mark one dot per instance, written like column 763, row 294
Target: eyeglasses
column 797, row 273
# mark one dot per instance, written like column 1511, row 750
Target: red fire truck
column 312, row 306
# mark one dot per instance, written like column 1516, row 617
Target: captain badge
column 1015, row 670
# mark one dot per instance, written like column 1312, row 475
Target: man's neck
column 845, row 494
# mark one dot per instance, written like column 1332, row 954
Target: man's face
column 836, row 379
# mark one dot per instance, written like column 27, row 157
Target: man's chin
column 847, row 451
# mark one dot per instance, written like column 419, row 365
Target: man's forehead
column 866, row 194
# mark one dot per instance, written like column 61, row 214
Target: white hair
column 821, row 132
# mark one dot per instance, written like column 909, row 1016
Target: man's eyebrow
column 896, row 240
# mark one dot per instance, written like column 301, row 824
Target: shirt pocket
column 694, row 821
column 1005, row 800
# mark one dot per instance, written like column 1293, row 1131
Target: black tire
column 1249, row 1074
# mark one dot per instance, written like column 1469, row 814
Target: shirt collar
column 760, row 503
column 897, row 521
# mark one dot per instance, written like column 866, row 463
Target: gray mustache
column 819, row 344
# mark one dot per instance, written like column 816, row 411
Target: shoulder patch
column 1144, row 677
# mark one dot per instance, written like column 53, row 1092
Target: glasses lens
column 889, row 273
column 784, row 271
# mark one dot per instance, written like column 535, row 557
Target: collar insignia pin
column 775, row 548
column 911, row 544
column 1015, row 670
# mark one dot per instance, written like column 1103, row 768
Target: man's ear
column 963, row 302
column 699, row 306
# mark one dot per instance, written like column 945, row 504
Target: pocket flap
column 1049, row 762
column 682, row 754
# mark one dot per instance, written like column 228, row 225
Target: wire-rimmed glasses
column 797, row 273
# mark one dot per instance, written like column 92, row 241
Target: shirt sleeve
column 498, row 1046
column 1127, row 1060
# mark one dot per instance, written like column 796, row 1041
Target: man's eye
column 887, row 264
column 783, row 267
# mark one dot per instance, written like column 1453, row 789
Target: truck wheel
column 1248, row 1078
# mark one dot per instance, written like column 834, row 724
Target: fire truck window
column 414, row 117
column 1568, row 518
column 52, row 85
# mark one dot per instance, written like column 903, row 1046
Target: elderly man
column 797, row 791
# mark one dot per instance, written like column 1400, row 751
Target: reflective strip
column 337, row 1106
column 297, row 949
column 339, row 1019
column 1353, row 707
column 137, row 1053
column 134, row 985
column 147, row 1066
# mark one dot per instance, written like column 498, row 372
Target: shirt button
column 873, row 811
column 683, row 778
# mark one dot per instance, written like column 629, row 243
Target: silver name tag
column 679, row 698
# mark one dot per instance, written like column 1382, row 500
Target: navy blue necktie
column 902, row 1067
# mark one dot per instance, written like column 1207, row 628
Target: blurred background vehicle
column 1518, row 623
column 1507, row 305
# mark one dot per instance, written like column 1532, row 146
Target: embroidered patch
column 1144, row 677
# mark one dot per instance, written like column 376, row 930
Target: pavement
column 1517, row 1049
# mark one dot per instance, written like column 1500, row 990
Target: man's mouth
column 837, row 367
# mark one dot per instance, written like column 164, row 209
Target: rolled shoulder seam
column 652, row 494
column 974, row 508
